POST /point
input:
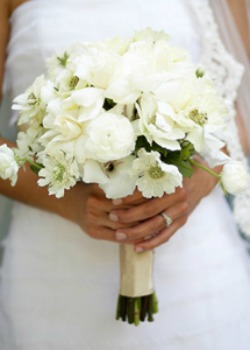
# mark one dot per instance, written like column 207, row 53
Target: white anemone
column 154, row 178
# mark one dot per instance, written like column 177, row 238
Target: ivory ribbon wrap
column 136, row 272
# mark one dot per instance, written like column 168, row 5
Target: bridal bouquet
column 125, row 113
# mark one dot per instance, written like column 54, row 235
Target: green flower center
column 59, row 172
column 155, row 172
column 197, row 117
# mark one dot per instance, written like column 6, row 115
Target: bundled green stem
column 136, row 309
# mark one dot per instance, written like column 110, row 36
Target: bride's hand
column 148, row 225
column 151, row 230
column 87, row 206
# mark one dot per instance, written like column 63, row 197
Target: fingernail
column 113, row 217
column 139, row 249
column 117, row 201
column 120, row 236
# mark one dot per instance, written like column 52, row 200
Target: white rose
column 234, row 177
column 97, row 67
column 110, row 137
column 158, row 123
column 8, row 164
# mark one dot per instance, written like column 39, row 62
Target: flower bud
column 234, row 177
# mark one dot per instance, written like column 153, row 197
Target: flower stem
column 203, row 167
column 136, row 309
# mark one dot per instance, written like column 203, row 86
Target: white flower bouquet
column 125, row 113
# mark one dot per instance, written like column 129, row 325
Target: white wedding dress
column 58, row 286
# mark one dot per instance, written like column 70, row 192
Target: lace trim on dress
column 227, row 74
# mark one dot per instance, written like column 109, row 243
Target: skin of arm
column 4, row 34
column 239, row 11
column 130, row 220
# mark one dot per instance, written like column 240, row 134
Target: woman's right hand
column 87, row 206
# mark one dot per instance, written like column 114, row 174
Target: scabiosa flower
column 60, row 173
column 154, row 177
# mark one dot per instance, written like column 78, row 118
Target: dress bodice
column 42, row 27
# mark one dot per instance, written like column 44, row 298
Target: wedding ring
column 167, row 219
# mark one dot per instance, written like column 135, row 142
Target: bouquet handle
column 137, row 299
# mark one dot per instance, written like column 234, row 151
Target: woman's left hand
column 150, row 228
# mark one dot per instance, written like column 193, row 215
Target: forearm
column 27, row 190
column 4, row 34
column 239, row 12
column 244, row 139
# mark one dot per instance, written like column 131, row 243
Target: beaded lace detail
column 227, row 74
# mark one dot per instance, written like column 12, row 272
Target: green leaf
column 142, row 142
column 187, row 150
column 108, row 104
column 182, row 163
column 163, row 151
column 63, row 60
column 185, row 168
column 35, row 167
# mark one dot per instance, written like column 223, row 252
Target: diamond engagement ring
column 167, row 219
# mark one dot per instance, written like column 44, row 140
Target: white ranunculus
column 97, row 67
column 110, row 137
column 115, row 178
column 154, row 178
column 136, row 74
column 234, row 177
column 8, row 164
column 177, row 89
column 158, row 123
